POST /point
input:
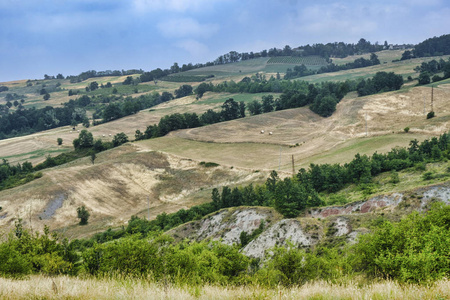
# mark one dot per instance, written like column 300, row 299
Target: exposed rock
column 227, row 224
column 278, row 234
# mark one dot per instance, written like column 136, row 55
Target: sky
column 73, row 36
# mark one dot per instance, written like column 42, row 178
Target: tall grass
column 65, row 287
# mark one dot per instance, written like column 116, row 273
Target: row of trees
column 292, row 195
column 230, row 110
column 302, row 70
column 435, row 46
column 428, row 69
column 25, row 121
column 322, row 99
column 381, row 82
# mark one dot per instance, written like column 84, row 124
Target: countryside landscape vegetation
column 316, row 172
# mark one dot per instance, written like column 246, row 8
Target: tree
column 59, row 141
column 93, row 157
column 128, row 81
column 83, row 215
column 290, row 198
column 93, row 85
column 267, row 103
column 46, row 96
column 119, row 139
column 424, row 78
column 85, row 140
column 184, row 90
column 230, row 110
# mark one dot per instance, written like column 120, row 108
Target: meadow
column 65, row 287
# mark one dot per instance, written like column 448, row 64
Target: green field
column 312, row 60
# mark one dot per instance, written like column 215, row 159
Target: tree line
column 434, row 67
column 291, row 196
column 302, row 70
column 26, row 121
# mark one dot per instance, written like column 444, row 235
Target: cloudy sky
column 72, row 36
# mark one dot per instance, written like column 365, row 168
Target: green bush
column 414, row 250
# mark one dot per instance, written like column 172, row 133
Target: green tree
column 290, row 198
column 93, row 85
column 424, row 78
column 83, row 215
column 119, row 139
column 183, row 91
column 46, row 96
column 84, row 140
column 59, row 141
column 230, row 110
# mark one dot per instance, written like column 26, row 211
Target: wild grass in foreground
column 65, row 287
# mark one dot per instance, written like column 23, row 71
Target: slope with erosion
column 124, row 181
column 321, row 225
column 360, row 124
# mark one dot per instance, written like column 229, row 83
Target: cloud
column 186, row 27
column 344, row 21
column 144, row 6
column 196, row 49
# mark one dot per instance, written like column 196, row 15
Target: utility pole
column 293, row 166
column 279, row 161
column 424, row 106
column 432, row 98
column 366, row 126
column 148, row 205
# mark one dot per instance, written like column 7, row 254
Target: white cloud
column 175, row 5
column 186, row 27
column 333, row 22
column 196, row 49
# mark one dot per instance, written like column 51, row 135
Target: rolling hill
column 164, row 173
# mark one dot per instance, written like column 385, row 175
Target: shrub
column 83, row 215
column 413, row 250
column 430, row 115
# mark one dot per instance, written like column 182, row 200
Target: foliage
column 119, row 139
column 25, row 121
column 433, row 46
column 414, row 250
column 381, row 82
column 59, row 141
column 300, row 71
column 23, row 253
column 83, row 215
column 182, row 91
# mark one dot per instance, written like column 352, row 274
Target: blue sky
column 72, row 36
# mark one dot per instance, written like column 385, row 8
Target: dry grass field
column 167, row 169
column 124, row 181
column 62, row 287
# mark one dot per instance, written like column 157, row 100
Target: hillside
column 167, row 169
column 317, row 226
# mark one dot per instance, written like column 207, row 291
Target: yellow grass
column 63, row 287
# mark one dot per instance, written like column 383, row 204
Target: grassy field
column 244, row 154
column 404, row 68
column 63, row 287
